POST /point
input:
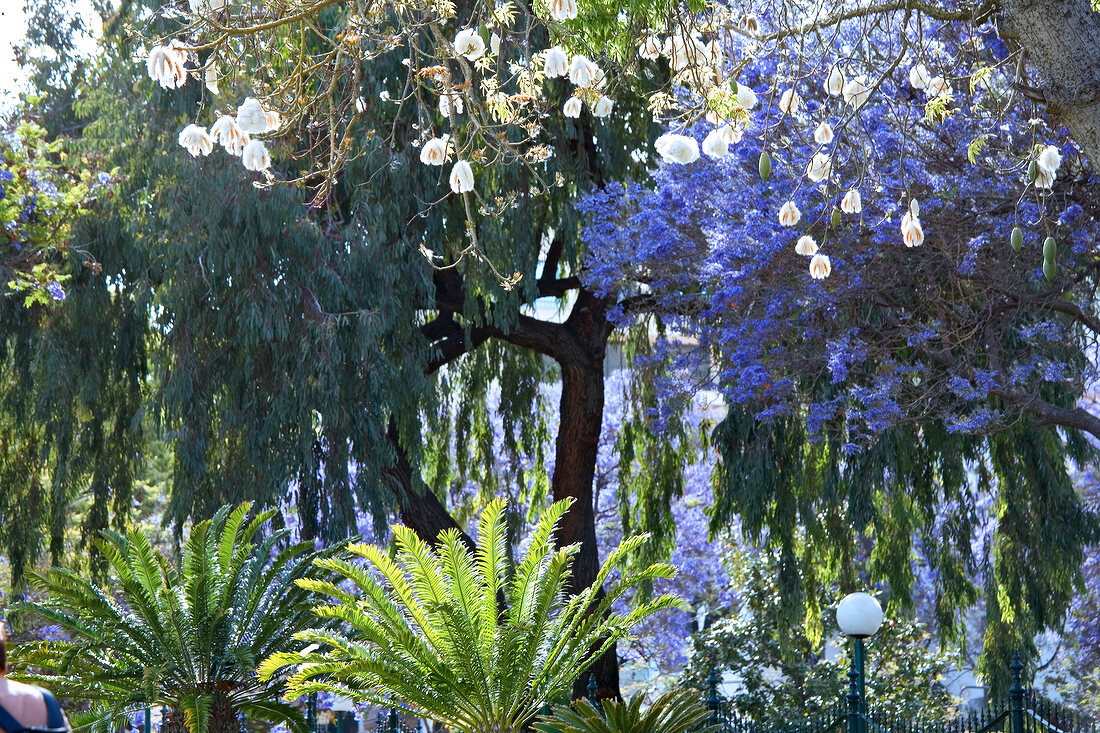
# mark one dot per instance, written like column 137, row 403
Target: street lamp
column 859, row 616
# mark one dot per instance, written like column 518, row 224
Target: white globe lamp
column 859, row 615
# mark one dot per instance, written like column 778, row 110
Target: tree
column 186, row 636
column 675, row 712
column 429, row 629
column 878, row 395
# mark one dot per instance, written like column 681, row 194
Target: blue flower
column 55, row 290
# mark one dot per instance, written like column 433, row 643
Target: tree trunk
column 223, row 718
column 581, row 358
column 173, row 722
column 1062, row 40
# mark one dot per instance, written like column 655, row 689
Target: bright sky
column 13, row 28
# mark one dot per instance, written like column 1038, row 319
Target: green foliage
column 186, row 636
column 427, row 628
column 784, row 672
column 673, row 712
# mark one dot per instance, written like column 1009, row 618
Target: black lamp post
column 859, row 616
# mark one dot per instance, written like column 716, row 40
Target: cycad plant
column 428, row 628
column 674, row 712
column 186, row 637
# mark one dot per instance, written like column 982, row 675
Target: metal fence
column 1023, row 711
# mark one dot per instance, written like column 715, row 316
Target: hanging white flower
column 819, row 168
column 789, row 215
column 717, row 144
column 732, row 133
column 227, row 132
column 834, row 83
column 462, row 177
column 852, row 203
column 857, row 91
column 494, row 44
column 919, row 78
column 563, row 9
column 677, row 148
column 584, row 73
column 274, row 119
column 572, row 107
column 167, row 65
column 914, row 207
column 450, row 102
column 251, row 117
column 468, row 43
column 1044, row 178
column 603, row 106
column 823, row 135
column 255, row 157
column 937, row 87
column 746, row 97
column 197, row 140
column 435, row 151
column 820, row 267
column 650, row 48
column 556, row 63
column 1050, row 160
column 210, row 78
column 911, row 231
column 790, row 102
column 806, row 246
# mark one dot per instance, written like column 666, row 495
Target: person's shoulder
column 12, row 688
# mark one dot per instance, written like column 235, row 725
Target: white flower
column 717, row 143
column 789, row 215
column 274, row 119
column 823, row 135
column 1044, row 178
column 166, row 65
column 556, row 63
column 462, row 177
column 677, row 148
column 857, row 91
column 684, row 51
column 251, row 116
column 746, row 97
column 820, row 267
column 361, row 105
column 255, row 157
column 650, row 48
column 468, row 43
column 197, row 140
column 937, row 87
column 583, row 72
column 834, row 84
column 1050, row 159
column 210, row 78
column 572, row 107
column 198, row 5
column 911, row 231
column 790, row 102
column 819, row 168
column 449, row 102
column 603, row 106
column 806, row 246
column 914, row 207
column 852, row 203
column 919, row 78
column 563, row 9
column 435, row 151
column 494, row 44
column 227, row 132
column 732, row 133
column 384, row 95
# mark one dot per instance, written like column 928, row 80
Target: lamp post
column 859, row 616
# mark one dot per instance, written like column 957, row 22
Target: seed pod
column 1050, row 249
column 733, row 86
column 1049, row 268
column 765, row 165
column 1033, row 171
column 1017, row 238
column 835, row 217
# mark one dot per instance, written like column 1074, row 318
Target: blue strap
column 54, row 717
column 8, row 722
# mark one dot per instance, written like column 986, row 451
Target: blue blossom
column 55, row 290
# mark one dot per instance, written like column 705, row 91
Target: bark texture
column 1062, row 40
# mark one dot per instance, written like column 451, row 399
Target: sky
column 13, row 27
